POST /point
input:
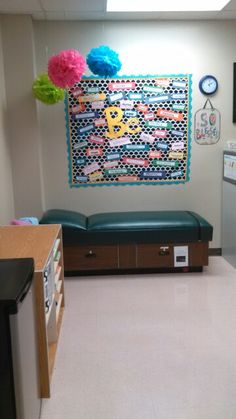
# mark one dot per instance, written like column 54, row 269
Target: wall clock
column 208, row 85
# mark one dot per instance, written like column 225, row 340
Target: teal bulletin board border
column 136, row 183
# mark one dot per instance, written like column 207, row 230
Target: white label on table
column 180, row 256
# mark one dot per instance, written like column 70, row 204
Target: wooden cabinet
column 162, row 256
column 154, row 256
column 132, row 256
column 86, row 257
column 44, row 244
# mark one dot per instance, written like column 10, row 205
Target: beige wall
column 145, row 48
column 6, row 187
column 22, row 119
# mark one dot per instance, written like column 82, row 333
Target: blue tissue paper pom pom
column 103, row 61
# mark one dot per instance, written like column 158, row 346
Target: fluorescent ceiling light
column 165, row 5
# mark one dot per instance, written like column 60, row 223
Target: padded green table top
column 142, row 220
column 65, row 218
column 133, row 226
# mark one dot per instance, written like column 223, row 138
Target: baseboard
column 133, row 271
column 217, row 251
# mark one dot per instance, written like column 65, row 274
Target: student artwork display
column 129, row 130
column 207, row 125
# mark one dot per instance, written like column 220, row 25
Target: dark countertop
column 15, row 279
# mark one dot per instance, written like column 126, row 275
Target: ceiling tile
column 95, row 10
column 161, row 15
column 85, row 15
column 227, row 15
column 38, row 16
column 74, row 5
column 231, row 5
column 19, row 6
column 56, row 15
column 189, row 15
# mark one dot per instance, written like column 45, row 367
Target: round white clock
column 208, row 85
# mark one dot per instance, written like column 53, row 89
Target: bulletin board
column 129, row 130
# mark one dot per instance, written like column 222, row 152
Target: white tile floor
column 157, row 346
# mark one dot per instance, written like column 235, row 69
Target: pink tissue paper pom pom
column 66, row 68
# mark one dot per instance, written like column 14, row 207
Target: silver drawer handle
column 90, row 254
column 164, row 251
